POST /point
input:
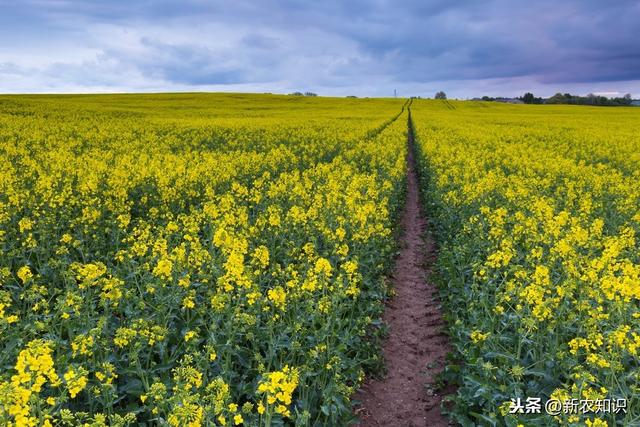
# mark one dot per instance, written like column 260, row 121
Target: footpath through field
column 415, row 350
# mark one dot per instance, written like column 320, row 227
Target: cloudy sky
column 466, row 47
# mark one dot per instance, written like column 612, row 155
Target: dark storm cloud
column 357, row 44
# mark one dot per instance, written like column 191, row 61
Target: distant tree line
column 566, row 98
column 591, row 99
column 529, row 98
column 303, row 94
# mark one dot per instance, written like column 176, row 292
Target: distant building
column 636, row 103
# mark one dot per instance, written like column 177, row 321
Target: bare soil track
column 415, row 350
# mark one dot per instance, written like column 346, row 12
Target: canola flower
column 34, row 369
column 278, row 387
column 76, row 380
column 166, row 257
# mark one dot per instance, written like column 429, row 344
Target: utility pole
column 395, row 93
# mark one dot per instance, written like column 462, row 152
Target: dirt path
column 415, row 351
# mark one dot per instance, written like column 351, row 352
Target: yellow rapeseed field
column 193, row 259
column 221, row 259
column 537, row 212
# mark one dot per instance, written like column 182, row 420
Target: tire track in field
column 415, row 350
column 377, row 131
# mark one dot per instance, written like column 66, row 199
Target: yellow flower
column 261, row 255
column 478, row 337
column 124, row 336
column 596, row 423
column 279, row 387
column 278, row 296
column 107, row 373
column 25, row 274
column 163, row 269
column 25, row 224
column 89, row 273
column 189, row 300
column 323, row 266
column 112, row 291
column 82, row 345
column 35, row 366
column 76, row 380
